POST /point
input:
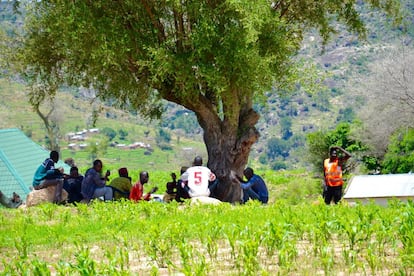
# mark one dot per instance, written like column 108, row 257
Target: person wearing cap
column 121, row 185
column 333, row 180
column 198, row 178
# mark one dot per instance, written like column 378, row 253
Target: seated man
column 182, row 188
column 73, row 185
column 198, row 178
column 121, row 185
column 254, row 187
column 171, row 191
column 47, row 175
column 137, row 191
column 93, row 184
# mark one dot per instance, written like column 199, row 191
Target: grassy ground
column 123, row 238
column 295, row 234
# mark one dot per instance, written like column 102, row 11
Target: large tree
column 213, row 57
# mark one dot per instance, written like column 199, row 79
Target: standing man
column 198, row 178
column 93, row 185
column 333, row 174
column 254, row 187
column 47, row 175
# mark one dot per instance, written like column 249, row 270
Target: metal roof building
column 380, row 188
column 19, row 159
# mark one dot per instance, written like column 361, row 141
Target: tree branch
column 155, row 22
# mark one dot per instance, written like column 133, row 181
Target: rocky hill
column 285, row 117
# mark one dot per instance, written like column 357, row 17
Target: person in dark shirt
column 171, row 191
column 94, row 185
column 254, row 187
column 182, row 189
column 73, row 185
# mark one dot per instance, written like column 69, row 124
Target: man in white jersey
column 198, row 178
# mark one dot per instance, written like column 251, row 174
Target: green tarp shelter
column 19, row 159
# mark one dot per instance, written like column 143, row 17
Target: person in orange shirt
column 333, row 174
column 137, row 191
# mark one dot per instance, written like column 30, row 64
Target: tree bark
column 228, row 150
column 228, row 135
column 50, row 126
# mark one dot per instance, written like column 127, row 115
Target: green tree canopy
column 319, row 142
column 213, row 57
column 400, row 154
column 109, row 132
column 277, row 147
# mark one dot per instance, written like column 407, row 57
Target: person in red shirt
column 137, row 191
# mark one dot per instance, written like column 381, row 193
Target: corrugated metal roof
column 386, row 185
column 19, row 159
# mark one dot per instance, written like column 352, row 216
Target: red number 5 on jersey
column 197, row 178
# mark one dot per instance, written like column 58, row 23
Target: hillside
column 288, row 118
column 77, row 116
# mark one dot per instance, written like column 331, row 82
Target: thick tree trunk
column 228, row 151
column 228, row 135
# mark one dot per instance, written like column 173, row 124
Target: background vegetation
column 295, row 233
column 359, row 91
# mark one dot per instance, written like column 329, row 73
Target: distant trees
column 319, row 142
column 277, row 147
column 109, row 132
column 45, row 106
column 97, row 148
column 277, row 150
column 400, row 154
column 389, row 99
column 187, row 122
column 214, row 58
column 346, row 115
column 163, row 139
column 123, row 134
column 286, row 127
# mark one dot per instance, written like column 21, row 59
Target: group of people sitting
column 195, row 181
column 94, row 184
